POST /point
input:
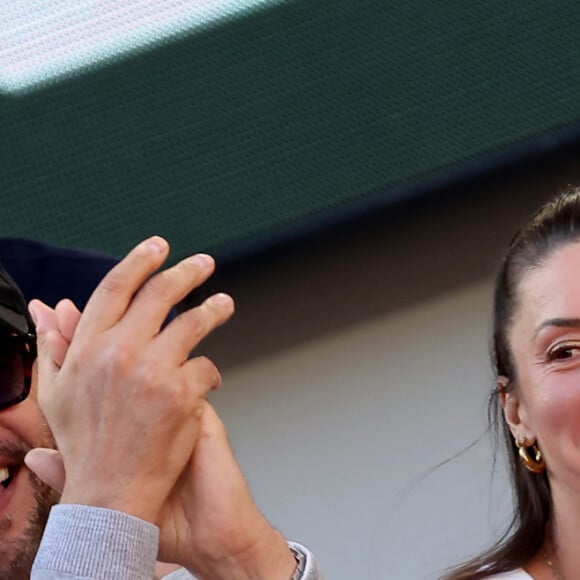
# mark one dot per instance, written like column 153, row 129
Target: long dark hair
column 556, row 223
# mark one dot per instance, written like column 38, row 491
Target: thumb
column 43, row 315
column 46, row 331
column 48, row 466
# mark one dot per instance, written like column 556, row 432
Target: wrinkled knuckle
column 118, row 359
column 182, row 269
column 112, row 283
column 194, row 325
column 211, row 307
column 159, row 287
column 148, row 376
column 179, row 401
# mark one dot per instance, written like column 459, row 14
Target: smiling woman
column 536, row 399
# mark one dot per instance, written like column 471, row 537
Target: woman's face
column 545, row 342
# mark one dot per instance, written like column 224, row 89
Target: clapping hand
column 208, row 520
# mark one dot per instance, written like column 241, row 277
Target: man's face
column 25, row 501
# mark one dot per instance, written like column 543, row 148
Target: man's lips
column 12, row 455
column 7, row 473
column 8, row 487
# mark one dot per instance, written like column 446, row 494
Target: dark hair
column 556, row 223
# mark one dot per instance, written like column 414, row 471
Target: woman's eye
column 564, row 352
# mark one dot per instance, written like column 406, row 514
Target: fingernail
column 201, row 260
column 221, row 299
column 156, row 243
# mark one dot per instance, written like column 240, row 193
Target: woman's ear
column 514, row 411
column 501, row 385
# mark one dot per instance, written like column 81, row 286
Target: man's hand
column 210, row 523
column 125, row 403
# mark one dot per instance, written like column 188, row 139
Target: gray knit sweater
column 88, row 543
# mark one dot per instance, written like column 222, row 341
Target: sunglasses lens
column 16, row 358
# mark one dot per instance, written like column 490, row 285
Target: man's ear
column 514, row 411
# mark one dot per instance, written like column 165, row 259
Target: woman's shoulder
column 518, row 574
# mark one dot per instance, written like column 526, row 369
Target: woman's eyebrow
column 558, row 322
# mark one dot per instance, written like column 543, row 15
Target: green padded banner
column 247, row 130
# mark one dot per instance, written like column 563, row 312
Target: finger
column 160, row 293
column 68, row 316
column 47, row 329
column 57, row 347
column 110, row 300
column 43, row 315
column 47, row 465
column 45, row 320
column 186, row 331
column 202, row 376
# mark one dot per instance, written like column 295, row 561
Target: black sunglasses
column 17, row 355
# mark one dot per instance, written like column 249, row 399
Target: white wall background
column 357, row 364
column 333, row 434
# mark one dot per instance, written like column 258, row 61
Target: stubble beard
column 17, row 555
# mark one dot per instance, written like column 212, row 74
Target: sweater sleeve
column 89, row 543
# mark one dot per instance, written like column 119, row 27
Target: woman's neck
column 563, row 533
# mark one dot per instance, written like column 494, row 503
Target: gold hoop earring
column 534, row 464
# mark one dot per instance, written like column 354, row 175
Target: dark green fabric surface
column 246, row 131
